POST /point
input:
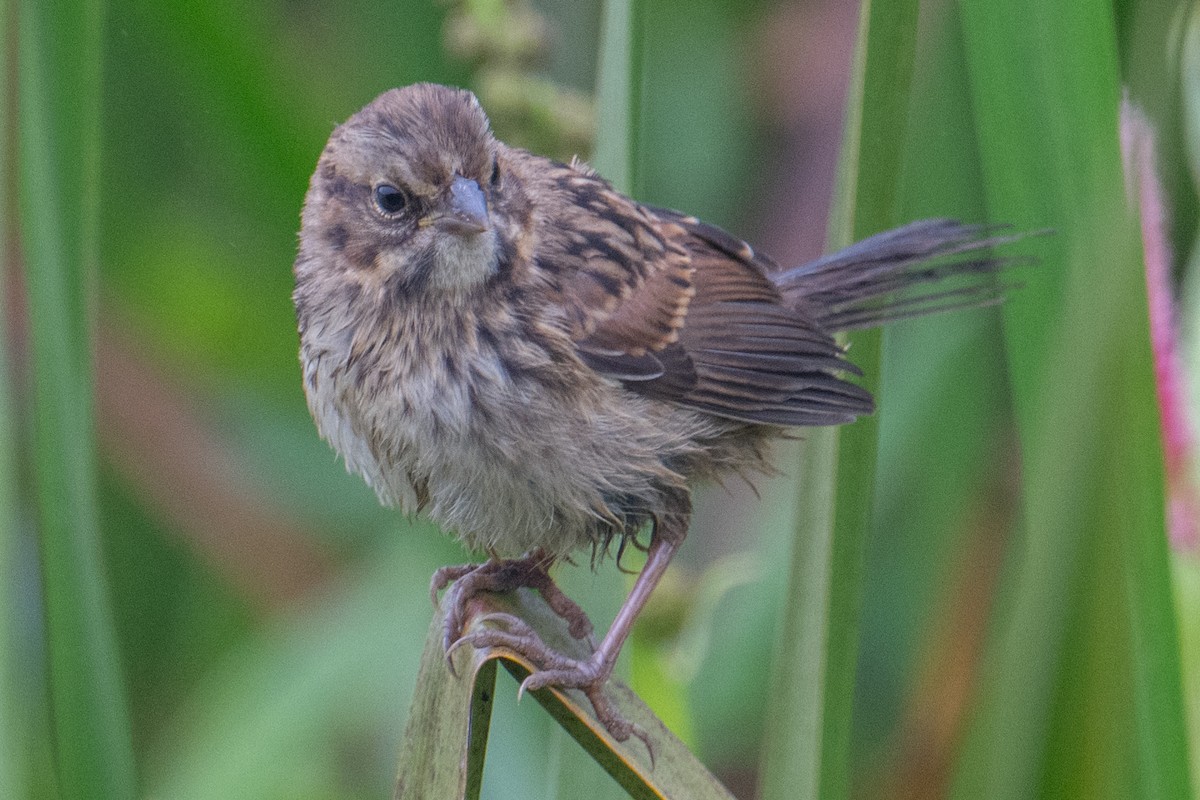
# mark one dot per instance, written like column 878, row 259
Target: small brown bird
column 543, row 365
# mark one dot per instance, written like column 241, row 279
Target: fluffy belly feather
column 504, row 464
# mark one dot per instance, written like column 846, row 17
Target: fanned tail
column 888, row 276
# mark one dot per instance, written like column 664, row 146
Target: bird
column 545, row 366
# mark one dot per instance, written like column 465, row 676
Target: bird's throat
column 464, row 261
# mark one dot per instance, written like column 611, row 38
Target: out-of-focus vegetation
column 1016, row 636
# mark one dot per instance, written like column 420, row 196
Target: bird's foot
column 556, row 670
column 503, row 575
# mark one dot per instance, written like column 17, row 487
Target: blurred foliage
column 269, row 614
column 58, row 92
column 808, row 738
column 506, row 41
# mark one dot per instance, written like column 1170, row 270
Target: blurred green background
column 269, row 614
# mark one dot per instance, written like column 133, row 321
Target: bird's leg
column 504, row 575
column 589, row 675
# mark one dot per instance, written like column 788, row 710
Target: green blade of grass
column 943, row 451
column 1081, row 697
column 1186, row 560
column 59, row 94
column 808, row 740
column 619, row 93
column 12, row 775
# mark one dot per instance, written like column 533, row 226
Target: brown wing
column 623, row 286
column 682, row 311
column 754, row 359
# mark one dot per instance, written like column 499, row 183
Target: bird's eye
column 389, row 199
column 496, row 172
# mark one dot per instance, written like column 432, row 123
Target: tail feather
column 872, row 282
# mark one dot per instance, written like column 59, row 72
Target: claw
column 481, row 638
column 550, row 668
column 589, row 678
column 453, row 648
column 451, row 628
column 619, row 727
column 445, row 576
column 497, row 575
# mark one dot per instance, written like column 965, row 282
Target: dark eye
column 496, row 172
column 389, row 199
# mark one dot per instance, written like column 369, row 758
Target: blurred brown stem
column 152, row 432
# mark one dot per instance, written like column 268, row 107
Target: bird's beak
column 467, row 210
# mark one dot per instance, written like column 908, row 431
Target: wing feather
column 682, row 311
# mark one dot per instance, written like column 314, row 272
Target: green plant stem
column 59, row 85
column 1081, row 692
column 11, row 713
column 807, row 752
column 619, row 93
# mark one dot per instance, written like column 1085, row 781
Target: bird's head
column 405, row 189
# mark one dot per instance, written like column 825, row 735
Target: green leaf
column 807, row 749
column 619, row 94
column 12, row 716
column 945, row 454
column 272, row 718
column 59, row 96
column 1081, row 695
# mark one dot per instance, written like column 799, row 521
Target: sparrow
column 544, row 366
